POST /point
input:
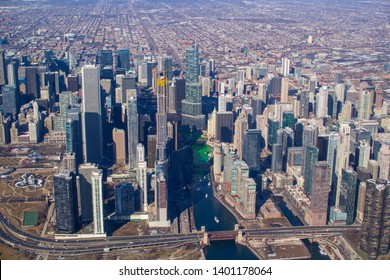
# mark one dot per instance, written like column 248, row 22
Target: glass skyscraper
column 192, row 104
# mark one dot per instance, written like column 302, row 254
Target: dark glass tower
column 124, row 59
column 66, row 201
column 10, row 100
column 251, row 148
column 124, row 199
column 348, row 192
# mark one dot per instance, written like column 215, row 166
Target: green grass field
column 30, row 218
column 200, row 153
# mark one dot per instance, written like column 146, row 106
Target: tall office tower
column 73, row 139
column 288, row 119
column 360, row 202
column 92, row 115
column 310, row 161
column 124, row 199
column 12, row 74
column 72, row 83
column 340, row 92
column 242, row 175
column 105, row 58
column 5, row 125
column 224, row 127
column 352, row 95
column 373, row 167
column 124, row 59
column 318, row 207
column 2, row 68
column 262, row 92
column 310, row 137
column 376, row 221
column 333, row 104
column 384, row 162
column 14, row 132
column 167, row 67
column 142, row 179
column 346, row 112
column 285, row 70
column 343, row 151
column 151, row 147
column 217, row 158
column 251, row 148
column 84, row 191
column 273, row 126
column 161, row 198
column 236, row 178
column 358, row 135
column 211, row 125
column 192, row 104
column 69, row 162
column 132, row 128
column 10, row 100
column 206, row 86
column 364, row 105
column 180, row 84
column 288, row 139
column 348, row 193
column 240, row 127
column 277, row 158
column 97, row 200
column 172, row 99
column 65, row 201
column 284, row 90
column 362, row 154
column 65, row 102
column 119, row 139
column 332, row 152
column 228, row 162
column 322, row 103
column 304, row 104
column 32, row 84
column 127, row 82
column 276, row 86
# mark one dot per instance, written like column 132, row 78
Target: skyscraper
column 376, row 221
column 161, row 198
column 224, row 127
column 2, row 68
column 348, row 194
column 310, row 161
column 10, row 100
column 251, row 148
column 317, row 210
column 65, row 201
column 84, row 191
column 92, row 115
column 124, row 199
column 192, row 104
column 32, row 85
column 97, row 200
column 285, row 66
column 322, row 103
column 343, row 151
column 384, row 161
column 364, row 105
column 119, row 139
column 132, row 128
column 167, row 67
column 284, row 90
column 124, row 59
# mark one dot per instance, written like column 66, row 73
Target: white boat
column 206, row 195
column 216, row 220
column 208, row 184
column 322, row 252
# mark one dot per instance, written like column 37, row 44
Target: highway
column 15, row 237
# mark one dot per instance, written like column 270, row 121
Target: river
column 206, row 208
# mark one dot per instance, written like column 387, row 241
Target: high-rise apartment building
column 97, row 201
